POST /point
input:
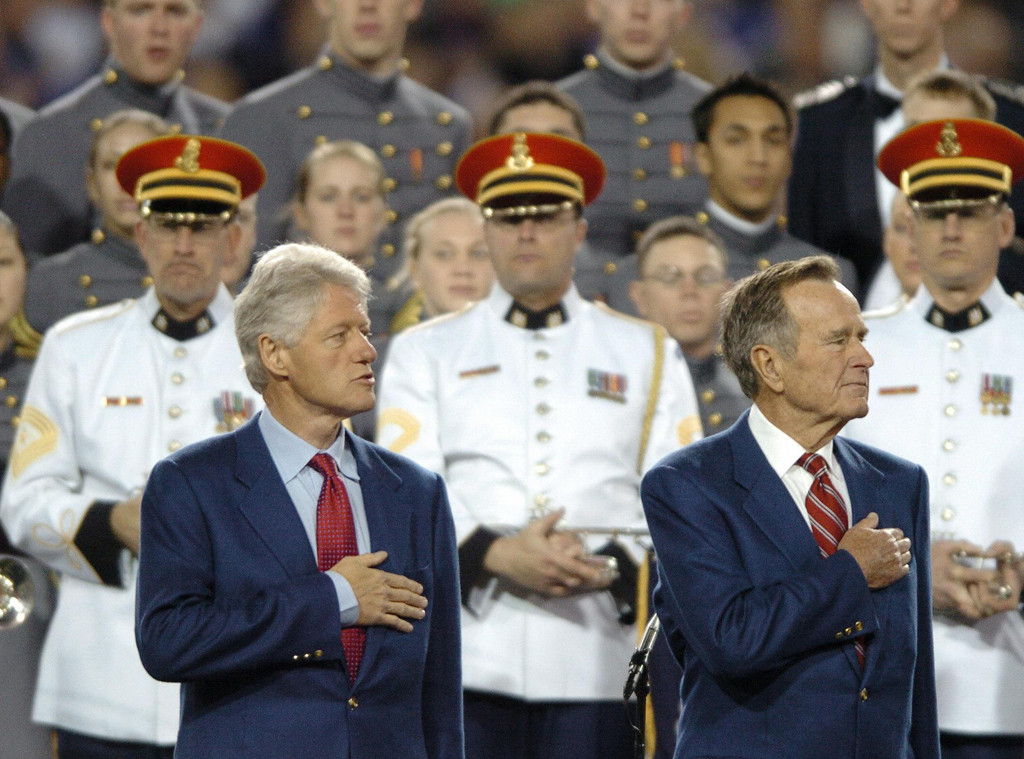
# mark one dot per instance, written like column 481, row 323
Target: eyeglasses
column 672, row 276
column 166, row 229
column 966, row 211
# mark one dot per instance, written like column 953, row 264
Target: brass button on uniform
column 147, row 281
column 541, row 500
column 174, row 412
column 542, row 355
column 15, row 421
column 388, row 184
column 85, row 281
column 177, row 378
column 388, row 151
column 98, row 236
column 173, row 445
column 444, row 118
column 955, row 344
column 303, row 111
column 542, row 469
column 325, row 63
column 543, row 408
column 947, row 514
column 949, row 479
column 707, row 396
column 353, row 704
column 387, row 250
column 643, row 142
column 948, row 445
column 391, row 216
column 541, row 382
column 321, row 139
column 11, row 401
column 91, row 301
column 544, row 437
column 610, row 267
column 639, row 174
column 952, row 375
column 848, row 631
column 3, row 383
column 109, row 77
column 444, row 149
column 715, row 419
column 640, row 118
column 180, row 352
column 385, row 117
column 763, row 263
column 443, row 182
column 590, row 62
column 639, row 205
column 950, row 410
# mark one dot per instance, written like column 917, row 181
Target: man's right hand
column 883, row 555
column 385, row 599
column 540, row 559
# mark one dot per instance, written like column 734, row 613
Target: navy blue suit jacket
column 230, row 603
column 763, row 625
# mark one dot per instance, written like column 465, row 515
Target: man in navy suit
column 230, row 599
column 787, row 585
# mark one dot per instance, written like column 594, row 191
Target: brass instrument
column 17, row 592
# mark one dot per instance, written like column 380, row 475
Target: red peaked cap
column 549, row 164
column 190, row 168
column 936, row 159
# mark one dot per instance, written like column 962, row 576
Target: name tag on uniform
column 122, row 400
column 901, row 390
column 480, row 371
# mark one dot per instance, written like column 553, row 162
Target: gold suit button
column 707, row 396
column 949, row 479
column 325, row 63
column 858, row 626
column 763, row 263
column 947, row 514
column 640, row 118
column 387, row 250
column 542, row 355
column 848, row 631
column 715, row 419
column 173, row 445
column 542, row 469
column 180, row 352
column 544, row 437
column 639, row 205
column 541, row 499
column 541, row 382
column 543, row 408
column 96, row 125
column 147, row 281
column 643, row 142
column 98, row 236
column 950, row 410
column 91, row 301
column 321, row 139
column 85, row 281
column 177, row 378
column 639, row 174
column 444, row 118
column 443, row 182
column 391, row 216
column 952, row 375
column 296, row 658
column 303, row 111
column 389, row 184
column 174, row 412
column 15, row 421
column 444, row 149
column 948, row 445
column 864, row 694
column 388, row 151
column 385, row 117
column 839, row 635
column 353, row 704
column 11, row 401
column 318, row 653
column 109, row 77
column 3, row 383
column 955, row 344
column 610, row 267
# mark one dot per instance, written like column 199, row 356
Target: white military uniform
column 928, row 404
column 109, row 397
column 520, row 422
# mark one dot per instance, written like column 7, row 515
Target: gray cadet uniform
column 719, row 396
column 17, row 114
column 604, row 277
column 640, row 126
column 91, row 274
column 45, row 196
column 418, row 134
column 752, row 248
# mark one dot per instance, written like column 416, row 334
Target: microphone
column 638, row 662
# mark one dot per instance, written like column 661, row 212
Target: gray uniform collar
column 359, row 83
column 122, row 252
column 151, row 98
column 633, row 85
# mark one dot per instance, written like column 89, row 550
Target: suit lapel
column 864, row 483
column 388, row 519
column 769, row 504
column 265, row 503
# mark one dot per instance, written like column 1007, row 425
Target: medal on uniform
column 678, row 158
column 996, row 393
column 232, row 411
column 416, row 164
column 606, row 385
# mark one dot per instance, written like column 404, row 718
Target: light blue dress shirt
column 291, row 455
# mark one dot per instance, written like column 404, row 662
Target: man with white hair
column 299, row 581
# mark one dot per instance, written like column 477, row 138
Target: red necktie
column 336, row 539
column 828, row 516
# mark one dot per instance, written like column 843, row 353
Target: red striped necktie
column 828, row 515
column 336, row 539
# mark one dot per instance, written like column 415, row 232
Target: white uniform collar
column 994, row 298
column 220, row 307
column 499, row 301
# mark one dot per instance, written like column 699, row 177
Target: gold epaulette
column 408, row 315
column 824, row 92
column 891, row 310
column 26, row 339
